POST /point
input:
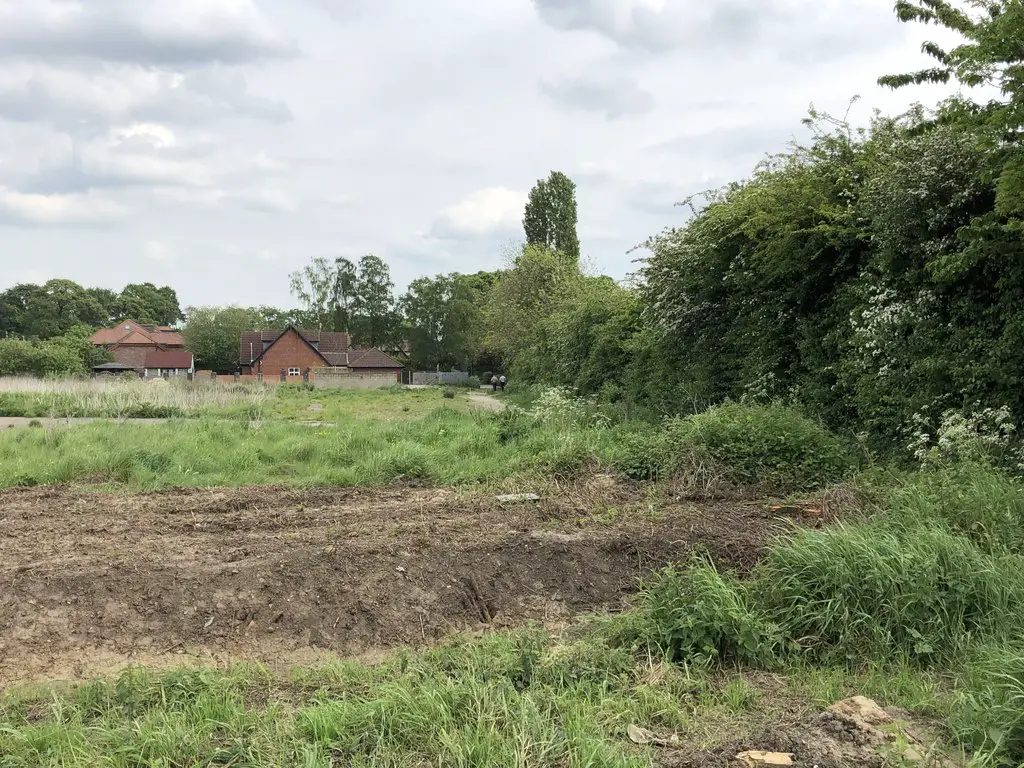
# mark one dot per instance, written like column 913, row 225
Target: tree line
column 45, row 329
column 874, row 277
column 449, row 321
column 440, row 321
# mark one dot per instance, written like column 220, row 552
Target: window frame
column 297, row 371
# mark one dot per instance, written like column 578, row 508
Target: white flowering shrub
column 879, row 326
column 559, row 406
column 979, row 435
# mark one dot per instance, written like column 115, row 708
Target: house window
column 294, row 372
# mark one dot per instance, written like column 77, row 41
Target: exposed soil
column 837, row 737
column 91, row 581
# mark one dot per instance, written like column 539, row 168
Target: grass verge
column 519, row 699
column 914, row 585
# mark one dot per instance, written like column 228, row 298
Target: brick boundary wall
column 329, row 378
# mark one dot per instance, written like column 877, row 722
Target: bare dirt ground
column 486, row 401
column 91, row 582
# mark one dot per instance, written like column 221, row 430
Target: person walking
column 502, row 382
column 494, row 383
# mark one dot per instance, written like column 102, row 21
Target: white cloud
column 84, row 98
column 485, row 211
column 56, row 210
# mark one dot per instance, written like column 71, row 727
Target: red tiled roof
column 334, row 347
column 169, row 359
column 168, row 338
column 371, row 358
column 130, row 332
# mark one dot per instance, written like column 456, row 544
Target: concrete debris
column 755, row 758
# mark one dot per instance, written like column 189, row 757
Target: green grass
column 772, row 447
column 445, row 447
column 932, row 581
column 917, row 599
column 519, row 699
column 337, row 406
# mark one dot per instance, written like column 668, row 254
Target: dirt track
column 90, row 582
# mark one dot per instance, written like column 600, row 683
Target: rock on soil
column 851, row 733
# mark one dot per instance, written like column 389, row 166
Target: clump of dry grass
column 120, row 398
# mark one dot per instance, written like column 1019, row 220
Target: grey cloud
column 83, row 99
column 638, row 26
column 614, row 98
column 736, row 142
column 132, row 163
column 180, row 33
column 658, row 197
column 791, row 29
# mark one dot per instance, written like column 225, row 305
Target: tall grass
column 506, row 700
column 114, row 398
column 519, row 699
column 933, row 580
column 449, row 446
column 989, row 708
column 862, row 592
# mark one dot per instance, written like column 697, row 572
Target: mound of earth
column 94, row 581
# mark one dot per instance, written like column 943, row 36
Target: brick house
column 130, row 343
column 294, row 351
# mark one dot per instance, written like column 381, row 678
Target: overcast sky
column 217, row 145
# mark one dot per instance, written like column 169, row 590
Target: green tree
column 48, row 310
column 314, row 286
column 989, row 55
column 212, row 334
column 531, row 290
column 108, row 303
column 438, row 314
column 345, row 293
column 70, row 353
column 476, row 291
column 146, row 303
column 375, row 318
column 278, row 319
column 19, row 309
column 549, row 220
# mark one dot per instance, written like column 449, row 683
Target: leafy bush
column 560, row 407
column 640, row 453
column 698, row 614
column 448, row 394
column 760, row 445
column 982, row 436
column 513, row 423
